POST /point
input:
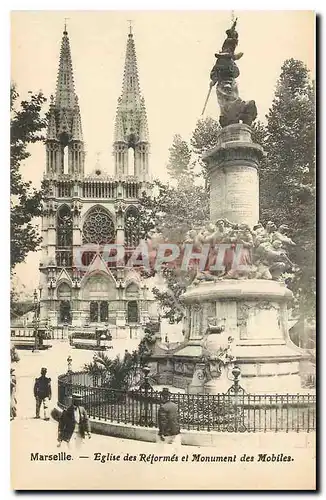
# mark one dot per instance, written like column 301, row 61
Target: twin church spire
column 65, row 145
column 131, row 129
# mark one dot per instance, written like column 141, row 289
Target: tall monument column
column 232, row 165
column 237, row 310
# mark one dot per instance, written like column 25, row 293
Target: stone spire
column 52, row 126
column 65, row 146
column 77, row 132
column 65, row 91
column 131, row 129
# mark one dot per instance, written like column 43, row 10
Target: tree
column 179, row 159
column 117, row 373
column 123, row 373
column 204, row 138
column 287, row 177
column 171, row 213
column 26, row 125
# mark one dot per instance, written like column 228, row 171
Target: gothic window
column 65, row 312
column 103, row 312
column 65, row 154
column 132, row 229
column 98, row 311
column 64, row 296
column 64, row 227
column 64, row 237
column 93, row 312
column 132, row 311
column 98, row 227
column 132, row 291
column 131, row 160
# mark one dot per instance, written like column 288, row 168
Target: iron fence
column 234, row 411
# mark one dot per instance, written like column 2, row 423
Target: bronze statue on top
column 224, row 73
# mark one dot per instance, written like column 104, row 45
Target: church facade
column 83, row 214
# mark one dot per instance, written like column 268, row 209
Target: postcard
column 163, row 326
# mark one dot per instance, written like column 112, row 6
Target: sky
column 175, row 53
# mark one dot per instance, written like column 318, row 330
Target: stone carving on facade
column 51, row 283
column 49, row 207
column 257, row 253
column 76, row 208
column 243, row 312
column 216, row 353
column 188, row 368
column 178, row 367
column 224, row 73
column 120, row 207
column 76, row 281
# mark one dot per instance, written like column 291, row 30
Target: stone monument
column 237, row 310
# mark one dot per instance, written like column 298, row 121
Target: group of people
column 262, row 252
column 74, row 423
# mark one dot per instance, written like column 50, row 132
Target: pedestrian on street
column 13, row 400
column 168, row 421
column 42, row 393
column 74, row 424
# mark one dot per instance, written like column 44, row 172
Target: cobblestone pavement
column 38, row 436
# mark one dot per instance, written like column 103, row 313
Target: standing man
column 13, row 400
column 168, row 421
column 74, row 423
column 42, row 393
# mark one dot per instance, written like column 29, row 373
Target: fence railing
column 234, row 411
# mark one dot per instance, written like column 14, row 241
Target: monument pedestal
column 255, row 316
column 254, row 310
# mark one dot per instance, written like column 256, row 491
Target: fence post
column 146, row 370
column 146, row 387
column 234, row 391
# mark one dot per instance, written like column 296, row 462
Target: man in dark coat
column 42, row 393
column 168, row 420
column 74, row 423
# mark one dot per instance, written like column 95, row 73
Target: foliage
column 121, row 373
column 175, row 209
column 171, row 299
column 204, row 137
column 26, row 126
column 179, row 159
column 114, row 373
column 145, row 348
column 19, row 308
column 173, row 212
column 287, row 176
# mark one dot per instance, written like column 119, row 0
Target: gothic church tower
column 85, row 212
column 65, row 153
column 131, row 129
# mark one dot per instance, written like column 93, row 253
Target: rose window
column 98, row 228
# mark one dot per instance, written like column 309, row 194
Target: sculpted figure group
column 238, row 252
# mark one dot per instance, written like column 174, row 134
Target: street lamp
column 36, row 304
column 236, row 374
column 146, row 387
column 69, row 362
